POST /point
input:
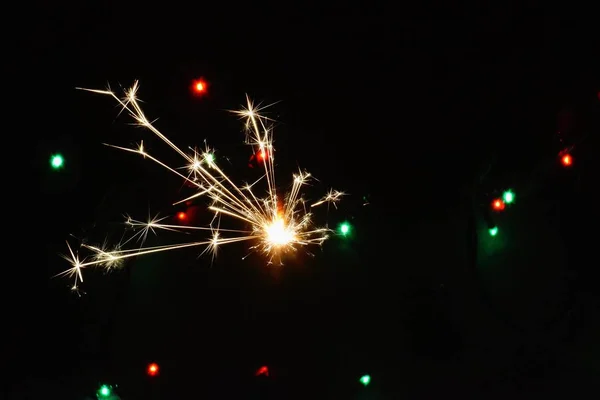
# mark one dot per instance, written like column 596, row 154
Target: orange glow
column 567, row 160
column 153, row 369
column 181, row 216
column 199, row 87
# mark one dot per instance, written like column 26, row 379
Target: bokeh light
column 104, row 391
column 57, row 161
column 345, row 229
column 365, row 379
column 152, row 369
column 508, row 197
column 566, row 160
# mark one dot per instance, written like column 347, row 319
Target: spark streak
column 277, row 225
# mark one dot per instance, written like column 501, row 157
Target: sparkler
column 274, row 224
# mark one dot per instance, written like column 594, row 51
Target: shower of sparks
column 275, row 224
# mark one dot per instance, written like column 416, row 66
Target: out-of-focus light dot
column 57, row 161
column 508, row 197
column 498, row 205
column 104, row 391
column 181, row 216
column 153, row 369
column 199, row 87
column 344, row 228
column 365, row 379
column 493, row 231
column 567, row 160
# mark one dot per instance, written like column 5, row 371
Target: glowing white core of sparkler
column 278, row 234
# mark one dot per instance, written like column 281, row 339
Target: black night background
column 422, row 114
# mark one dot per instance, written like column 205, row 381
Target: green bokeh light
column 508, row 196
column 365, row 379
column 493, row 231
column 104, row 391
column 344, row 229
column 57, row 161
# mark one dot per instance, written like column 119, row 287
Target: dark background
column 425, row 110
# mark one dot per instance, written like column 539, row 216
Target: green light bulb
column 344, row 229
column 365, row 379
column 104, row 391
column 508, row 197
column 57, row 161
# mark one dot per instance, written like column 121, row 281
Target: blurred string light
column 365, row 380
column 498, row 205
column 259, row 158
column 104, row 392
column 262, row 155
column 345, row 229
column 508, row 197
column 566, row 160
column 57, row 161
column 199, row 87
column 152, row 369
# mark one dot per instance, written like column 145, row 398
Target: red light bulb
column 566, row 160
column 498, row 205
column 264, row 371
column 199, row 87
column 152, row 369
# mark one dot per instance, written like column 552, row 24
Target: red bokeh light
column 258, row 158
column 566, row 160
column 199, row 87
column 152, row 369
column 498, row 205
column 181, row 216
column 264, row 371
column 261, row 155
